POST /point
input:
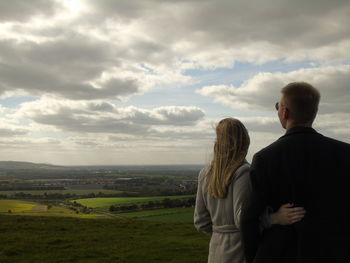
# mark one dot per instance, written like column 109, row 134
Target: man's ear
column 285, row 113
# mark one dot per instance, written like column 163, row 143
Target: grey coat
column 221, row 218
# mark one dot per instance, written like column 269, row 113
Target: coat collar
column 299, row 129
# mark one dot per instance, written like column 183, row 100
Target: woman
column 223, row 187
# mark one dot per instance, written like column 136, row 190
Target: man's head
column 298, row 104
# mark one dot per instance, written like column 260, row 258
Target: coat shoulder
column 203, row 173
column 242, row 171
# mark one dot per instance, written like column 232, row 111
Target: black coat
column 310, row 170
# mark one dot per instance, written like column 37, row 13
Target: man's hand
column 287, row 215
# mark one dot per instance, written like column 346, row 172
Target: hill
column 27, row 170
column 25, row 165
column 28, row 239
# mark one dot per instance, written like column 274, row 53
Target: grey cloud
column 73, row 56
column 14, row 10
column 124, row 87
column 24, row 143
column 121, row 87
column 71, row 51
column 282, row 22
column 263, row 124
column 106, row 118
column 62, row 67
column 171, row 115
column 9, row 50
column 2, row 89
column 87, row 143
column 102, row 106
column 161, row 34
column 181, row 115
column 124, row 10
column 76, row 123
column 39, row 81
column 285, row 25
column 4, row 132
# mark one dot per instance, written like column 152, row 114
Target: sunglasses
column 277, row 106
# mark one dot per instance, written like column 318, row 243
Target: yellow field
column 18, row 207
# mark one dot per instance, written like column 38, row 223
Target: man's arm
column 254, row 207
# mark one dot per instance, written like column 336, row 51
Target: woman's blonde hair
column 230, row 149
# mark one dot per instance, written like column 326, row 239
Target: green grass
column 171, row 218
column 57, row 240
column 102, row 203
column 163, row 215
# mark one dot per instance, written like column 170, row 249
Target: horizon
column 130, row 82
column 104, row 165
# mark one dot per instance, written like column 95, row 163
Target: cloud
column 5, row 132
column 64, row 68
column 29, row 143
column 76, row 57
column 260, row 92
column 10, row 127
column 143, row 44
column 104, row 117
column 251, row 31
column 21, row 10
column 334, row 125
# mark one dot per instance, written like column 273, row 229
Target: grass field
column 163, row 215
column 105, row 203
column 57, row 240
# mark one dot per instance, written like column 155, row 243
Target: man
column 306, row 169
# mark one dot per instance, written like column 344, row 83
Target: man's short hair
column 302, row 100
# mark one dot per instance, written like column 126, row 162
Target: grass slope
column 163, row 215
column 49, row 239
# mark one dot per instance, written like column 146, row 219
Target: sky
column 129, row 82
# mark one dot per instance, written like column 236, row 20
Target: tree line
column 165, row 203
column 64, row 196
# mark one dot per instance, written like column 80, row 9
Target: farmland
column 24, row 208
column 64, row 214
column 19, row 206
column 105, row 203
column 154, row 193
column 38, row 181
